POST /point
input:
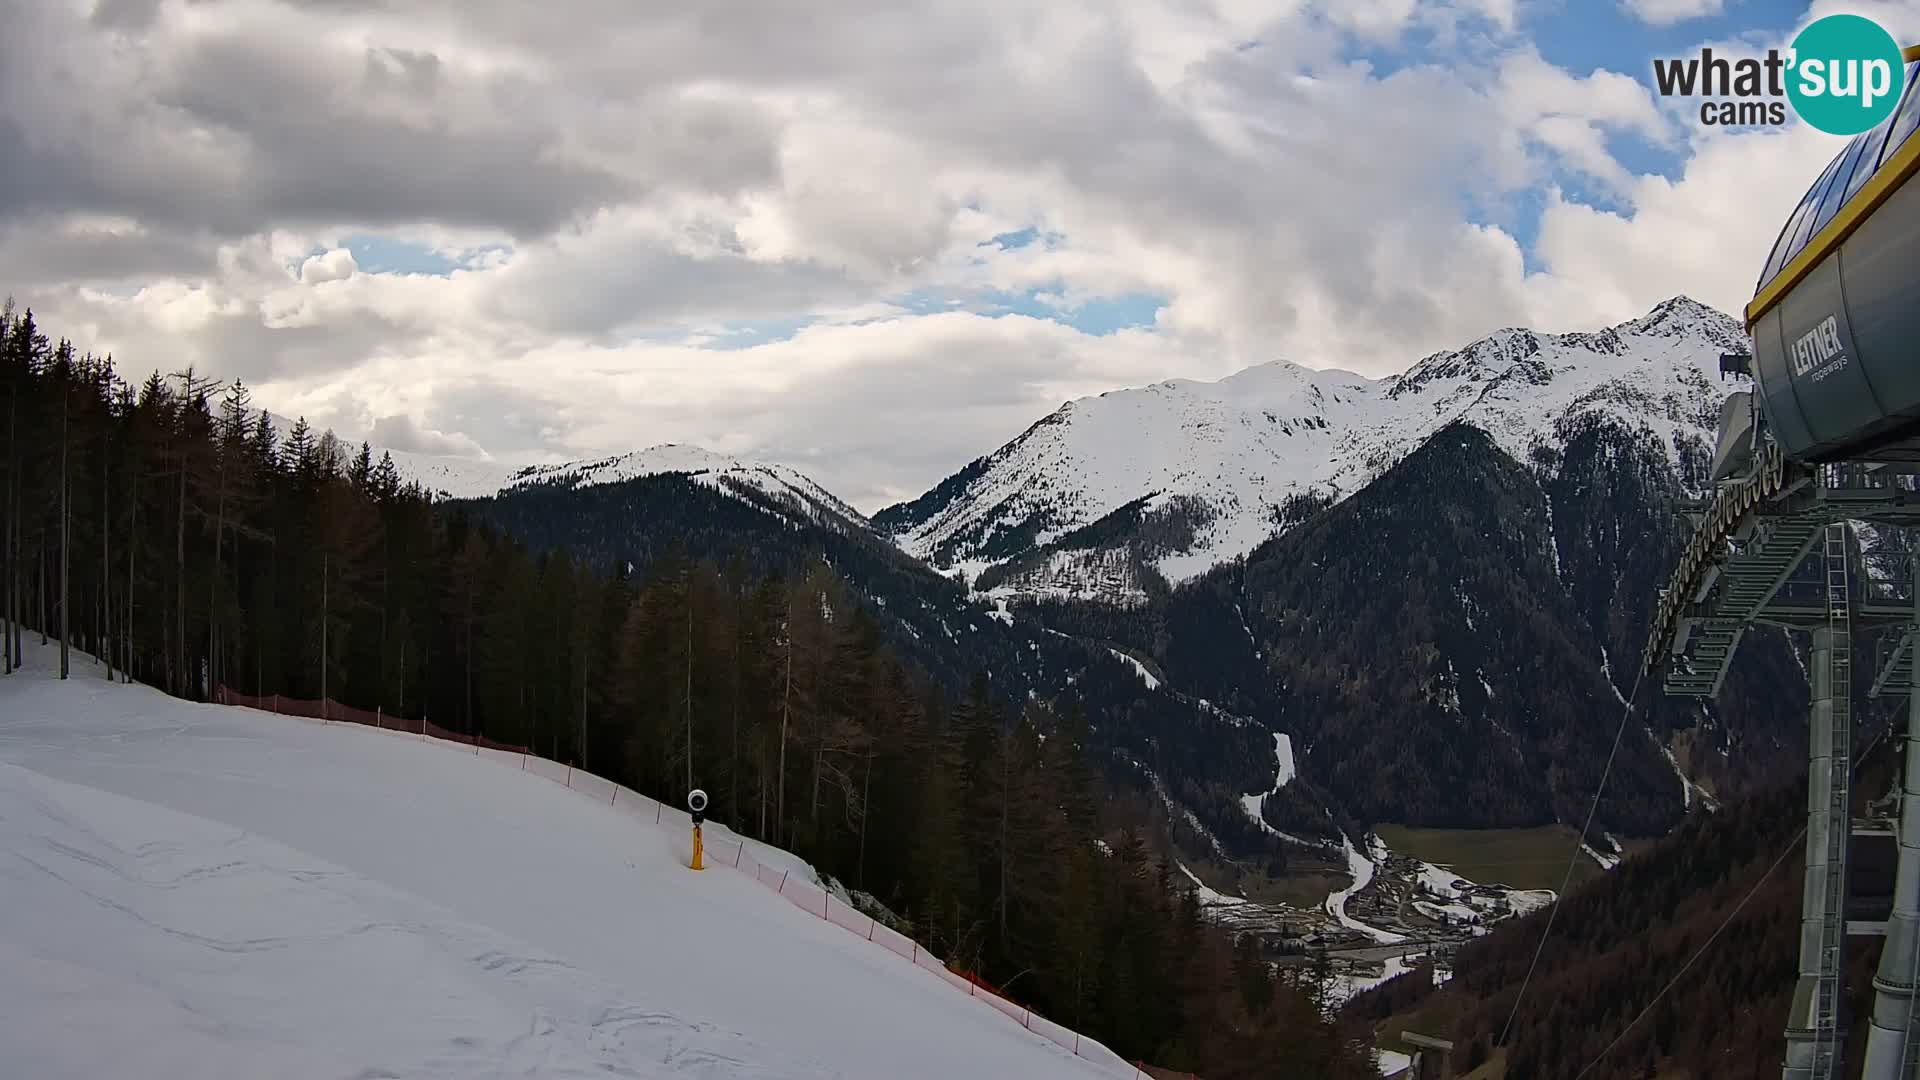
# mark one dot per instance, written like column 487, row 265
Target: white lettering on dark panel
column 1817, row 346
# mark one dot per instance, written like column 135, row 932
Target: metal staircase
column 1895, row 669
column 1740, row 589
column 1828, row 990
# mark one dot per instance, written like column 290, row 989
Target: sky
column 872, row 240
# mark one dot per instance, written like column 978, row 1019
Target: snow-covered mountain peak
column 1683, row 316
column 467, row 478
column 1206, row 467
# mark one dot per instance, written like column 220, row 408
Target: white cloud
column 335, row 265
column 1668, row 12
column 402, row 432
column 632, row 192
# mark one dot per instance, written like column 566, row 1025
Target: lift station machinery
column 1828, row 435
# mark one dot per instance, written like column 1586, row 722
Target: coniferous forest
column 163, row 530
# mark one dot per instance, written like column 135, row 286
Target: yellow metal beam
column 1878, row 189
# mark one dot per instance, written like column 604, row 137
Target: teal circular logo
column 1845, row 74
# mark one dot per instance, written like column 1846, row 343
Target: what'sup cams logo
column 1843, row 74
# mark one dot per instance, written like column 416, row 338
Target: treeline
column 168, row 529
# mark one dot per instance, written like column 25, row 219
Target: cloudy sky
column 869, row 238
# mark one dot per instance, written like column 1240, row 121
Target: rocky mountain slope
column 1113, row 497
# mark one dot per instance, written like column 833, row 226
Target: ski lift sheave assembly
column 1828, row 433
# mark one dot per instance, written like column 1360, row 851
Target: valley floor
column 209, row 892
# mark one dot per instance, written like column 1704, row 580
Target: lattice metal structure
column 1828, row 434
column 1778, row 552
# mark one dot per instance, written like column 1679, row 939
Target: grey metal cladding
column 1733, row 450
column 1775, row 380
column 1880, row 266
column 1835, row 398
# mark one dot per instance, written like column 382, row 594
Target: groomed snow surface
column 211, row 892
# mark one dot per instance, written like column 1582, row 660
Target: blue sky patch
column 1097, row 316
column 1581, row 36
column 377, row 254
column 749, row 333
column 1019, row 238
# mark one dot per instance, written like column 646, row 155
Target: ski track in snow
column 1209, row 897
column 1362, row 871
column 1607, row 862
column 1138, row 667
column 195, row 891
column 1285, row 771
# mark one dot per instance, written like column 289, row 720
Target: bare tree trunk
column 866, row 792
column 6, row 552
column 786, row 708
column 733, row 762
column 66, row 534
column 106, row 559
column 1006, row 778
column 813, row 810
column 10, row 537
column 384, row 574
column 471, row 730
column 213, row 577
column 180, row 583
column 6, row 575
column 688, row 701
column 585, row 651
column 273, row 596
column 324, row 566
column 42, row 561
column 126, row 631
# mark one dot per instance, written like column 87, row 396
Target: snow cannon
column 1833, row 321
column 697, row 806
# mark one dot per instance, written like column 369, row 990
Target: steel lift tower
column 1829, row 434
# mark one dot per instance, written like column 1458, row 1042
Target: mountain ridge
column 1219, row 461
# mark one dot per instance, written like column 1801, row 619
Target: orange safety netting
column 334, row 712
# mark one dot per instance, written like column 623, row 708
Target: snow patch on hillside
column 1209, row 897
column 1284, row 771
column 1606, row 862
column 1138, row 667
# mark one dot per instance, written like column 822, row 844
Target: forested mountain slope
column 172, row 531
column 1438, row 644
column 1619, row 943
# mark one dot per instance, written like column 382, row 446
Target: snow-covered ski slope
column 208, row 892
